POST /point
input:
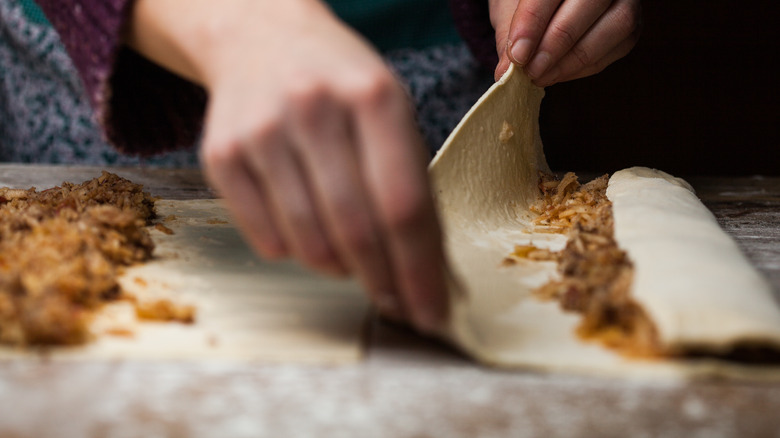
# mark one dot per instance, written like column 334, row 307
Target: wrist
column 202, row 41
column 158, row 31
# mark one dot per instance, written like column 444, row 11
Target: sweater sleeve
column 472, row 18
column 143, row 108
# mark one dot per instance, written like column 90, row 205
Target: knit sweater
column 143, row 108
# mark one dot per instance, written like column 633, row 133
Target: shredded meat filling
column 61, row 250
column 595, row 273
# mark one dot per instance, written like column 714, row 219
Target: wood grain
column 749, row 210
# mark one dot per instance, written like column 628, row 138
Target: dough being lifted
column 699, row 290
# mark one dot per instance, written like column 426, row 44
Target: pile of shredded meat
column 61, row 251
column 596, row 274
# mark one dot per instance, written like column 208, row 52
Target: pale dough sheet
column 247, row 309
column 485, row 177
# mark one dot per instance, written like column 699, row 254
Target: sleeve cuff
column 142, row 108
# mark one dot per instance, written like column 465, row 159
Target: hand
column 311, row 141
column 560, row 40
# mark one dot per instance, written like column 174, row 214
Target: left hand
column 560, row 40
column 311, row 141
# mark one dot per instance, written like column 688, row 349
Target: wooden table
column 406, row 387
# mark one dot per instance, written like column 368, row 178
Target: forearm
column 195, row 38
column 159, row 30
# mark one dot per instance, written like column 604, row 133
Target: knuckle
column 305, row 95
column 563, row 35
column 536, row 20
column 266, row 128
column 254, row 137
column 374, row 89
column 260, row 138
column 221, row 153
column 581, row 56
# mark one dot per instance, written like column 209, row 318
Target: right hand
column 557, row 41
column 311, row 141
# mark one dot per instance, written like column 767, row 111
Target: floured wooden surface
column 485, row 178
column 247, row 309
column 403, row 377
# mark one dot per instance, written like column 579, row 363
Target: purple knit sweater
column 145, row 109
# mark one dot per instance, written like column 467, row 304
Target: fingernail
column 521, row 50
column 538, row 65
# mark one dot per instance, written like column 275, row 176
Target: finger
column 270, row 157
column 249, row 205
column 555, row 75
column 570, row 22
column 609, row 39
column 329, row 157
column 227, row 173
column 394, row 163
column 528, row 25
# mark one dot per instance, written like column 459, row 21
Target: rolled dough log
column 690, row 276
column 485, row 177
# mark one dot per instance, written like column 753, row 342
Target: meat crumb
column 596, row 275
column 61, row 252
column 163, row 229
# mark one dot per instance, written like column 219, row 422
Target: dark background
column 699, row 95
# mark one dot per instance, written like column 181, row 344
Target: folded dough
column 691, row 278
